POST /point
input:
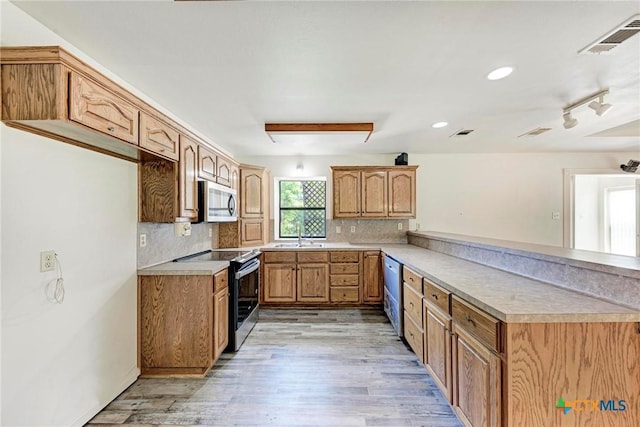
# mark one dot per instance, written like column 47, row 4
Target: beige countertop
column 201, row 268
column 509, row 297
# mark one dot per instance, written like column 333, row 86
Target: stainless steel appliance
column 393, row 293
column 216, row 203
column 244, row 282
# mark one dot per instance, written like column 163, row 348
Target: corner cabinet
column 183, row 323
column 252, row 228
column 374, row 191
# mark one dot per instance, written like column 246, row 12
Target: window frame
column 277, row 208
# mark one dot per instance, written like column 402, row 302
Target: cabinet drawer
column 93, row 106
column 413, row 304
column 313, row 256
column 475, row 321
column 412, row 278
column 344, row 268
column 437, row 296
column 346, row 256
column 221, row 280
column 345, row 294
column 158, row 137
column 344, row 280
column 281, row 256
column 414, row 335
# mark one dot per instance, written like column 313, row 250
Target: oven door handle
column 250, row 268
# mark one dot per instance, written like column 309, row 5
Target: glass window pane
column 302, row 208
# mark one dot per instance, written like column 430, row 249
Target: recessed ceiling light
column 439, row 125
column 500, row 73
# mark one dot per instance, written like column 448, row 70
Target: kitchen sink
column 299, row 245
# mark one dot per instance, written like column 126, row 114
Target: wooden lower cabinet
column 313, row 282
column 413, row 333
column 183, row 323
column 476, row 381
column 372, row 288
column 437, row 347
column 221, row 328
column 279, row 283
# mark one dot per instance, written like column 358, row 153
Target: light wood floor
column 297, row 368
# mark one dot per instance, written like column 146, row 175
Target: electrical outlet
column 555, row 215
column 143, row 240
column 47, row 260
column 399, row 226
column 353, row 228
column 210, row 232
column 417, row 226
column 338, row 229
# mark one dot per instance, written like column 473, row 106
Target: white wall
column 503, row 196
column 62, row 363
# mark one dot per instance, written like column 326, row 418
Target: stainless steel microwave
column 216, row 203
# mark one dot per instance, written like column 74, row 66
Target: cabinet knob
column 111, row 129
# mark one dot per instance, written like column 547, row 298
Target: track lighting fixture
column 598, row 106
column 569, row 121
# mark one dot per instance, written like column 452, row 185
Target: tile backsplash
column 366, row 230
column 163, row 245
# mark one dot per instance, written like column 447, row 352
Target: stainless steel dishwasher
column 393, row 293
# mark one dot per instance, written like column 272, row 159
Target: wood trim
column 318, row 127
column 374, row 168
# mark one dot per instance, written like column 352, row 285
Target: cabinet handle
column 111, row 129
column 470, row 320
column 411, row 304
column 434, row 296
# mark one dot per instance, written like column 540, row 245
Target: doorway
column 604, row 214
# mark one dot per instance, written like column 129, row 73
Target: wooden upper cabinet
column 235, row 177
column 224, row 171
column 402, row 193
column 93, row 106
column 374, row 194
column 346, row 194
column 252, row 190
column 374, row 191
column 207, row 168
column 158, row 137
column 188, row 178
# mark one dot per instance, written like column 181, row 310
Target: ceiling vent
column 613, row 38
column 535, row 132
column 461, row 132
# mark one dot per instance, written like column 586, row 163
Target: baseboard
column 130, row 379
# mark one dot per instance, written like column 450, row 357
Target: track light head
column 599, row 107
column 569, row 121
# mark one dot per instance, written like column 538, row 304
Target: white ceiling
column 226, row 68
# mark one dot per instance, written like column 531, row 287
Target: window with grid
column 302, row 206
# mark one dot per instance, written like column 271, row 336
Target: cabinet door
column 402, row 194
column 372, row 280
column 175, row 321
column 437, row 348
column 221, row 322
column 251, row 193
column 158, row 137
column 235, row 177
column 252, row 232
column 188, row 178
column 374, row 194
column 224, row 171
column 279, row 282
column 93, row 106
column 313, row 282
column 346, row 194
column 207, row 168
column 476, row 379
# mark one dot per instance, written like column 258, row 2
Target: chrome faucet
column 299, row 234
